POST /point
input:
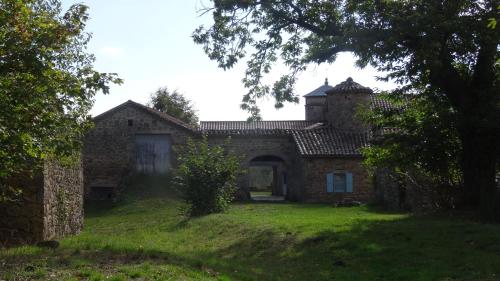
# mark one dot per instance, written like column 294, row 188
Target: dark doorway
column 267, row 177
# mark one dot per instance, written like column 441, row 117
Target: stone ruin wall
column 50, row 207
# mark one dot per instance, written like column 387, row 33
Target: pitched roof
column 321, row 91
column 349, row 86
column 149, row 110
column 328, row 141
column 253, row 128
column 377, row 101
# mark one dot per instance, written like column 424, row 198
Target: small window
column 130, row 122
column 339, row 182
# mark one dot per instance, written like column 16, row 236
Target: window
column 130, row 122
column 339, row 182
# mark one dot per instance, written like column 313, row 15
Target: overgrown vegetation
column 207, row 177
column 146, row 238
column 417, row 141
column 47, row 85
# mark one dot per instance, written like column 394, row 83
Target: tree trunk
column 479, row 169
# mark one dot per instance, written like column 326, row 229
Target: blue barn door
column 152, row 153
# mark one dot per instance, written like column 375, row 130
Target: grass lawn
column 146, row 238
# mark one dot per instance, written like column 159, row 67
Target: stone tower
column 342, row 102
column 316, row 103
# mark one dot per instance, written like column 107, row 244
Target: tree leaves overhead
column 424, row 41
column 47, row 82
column 445, row 50
column 174, row 104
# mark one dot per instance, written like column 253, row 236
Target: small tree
column 208, row 177
column 174, row 104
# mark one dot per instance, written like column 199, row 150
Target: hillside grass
column 146, row 237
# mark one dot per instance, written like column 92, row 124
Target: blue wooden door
column 152, row 153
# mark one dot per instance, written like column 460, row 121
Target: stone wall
column 342, row 110
column 62, row 200
column 315, row 109
column 109, row 150
column 251, row 146
column 50, row 206
column 312, row 184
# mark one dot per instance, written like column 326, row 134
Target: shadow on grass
column 413, row 248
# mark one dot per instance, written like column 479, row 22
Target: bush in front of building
column 207, row 176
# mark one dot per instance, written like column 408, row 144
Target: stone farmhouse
column 313, row 160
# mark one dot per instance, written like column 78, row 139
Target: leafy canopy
column 415, row 136
column 47, row 82
column 174, row 104
column 444, row 45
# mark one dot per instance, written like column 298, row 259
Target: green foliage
column 420, row 41
column 208, row 177
column 174, row 104
column 426, row 46
column 47, row 83
column 148, row 237
column 416, row 136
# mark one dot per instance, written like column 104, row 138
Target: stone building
column 50, row 206
column 313, row 160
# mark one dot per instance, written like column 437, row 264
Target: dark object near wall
column 50, row 207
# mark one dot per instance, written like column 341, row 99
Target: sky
column 148, row 44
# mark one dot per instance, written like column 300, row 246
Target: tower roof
column 321, row 91
column 349, row 86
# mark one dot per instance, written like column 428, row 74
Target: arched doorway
column 267, row 177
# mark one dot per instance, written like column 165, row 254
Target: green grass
column 146, row 238
column 260, row 193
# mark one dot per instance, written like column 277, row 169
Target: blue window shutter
column 329, row 182
column 348, row 179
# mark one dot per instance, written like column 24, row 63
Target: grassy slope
column 147, row 239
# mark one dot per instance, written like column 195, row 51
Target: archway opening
column 267, row 177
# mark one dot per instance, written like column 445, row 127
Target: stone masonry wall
column 313, row 180
column 109, row 150
column 342, row 110
column 62, row 200
column 251, row 146
column 50, row 207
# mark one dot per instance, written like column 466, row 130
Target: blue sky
column 148, row 43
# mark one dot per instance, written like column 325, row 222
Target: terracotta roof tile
column 378, row 102
column 253, row 128
column 349, row 86
column 328, row 141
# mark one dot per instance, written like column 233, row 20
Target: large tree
column 448, row 48
column 47, row 83
column 174, row 104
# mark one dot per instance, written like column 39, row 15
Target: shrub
column 207, row 176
